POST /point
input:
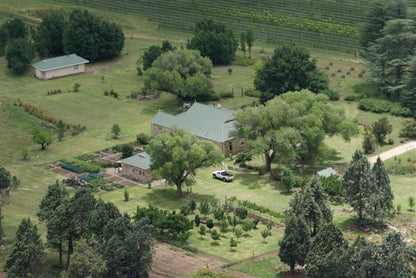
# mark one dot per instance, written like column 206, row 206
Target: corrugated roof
column 206, row 121
column 59, row 62
column 327, row 172
column 141, row 160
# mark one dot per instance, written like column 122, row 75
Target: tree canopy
column 24, row 259
column 176, row 154
column 289, row 69
column 19, row 53
column 292, row 127
column 153, row 52
column 48, row 35
column 92, row 37
column 184, row 73
column 7, row 184
column 215, row 41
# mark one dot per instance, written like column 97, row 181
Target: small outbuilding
column 137, row 167
column 326, row 173
column 60, row 66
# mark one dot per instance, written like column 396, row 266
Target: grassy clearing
column 270, row 267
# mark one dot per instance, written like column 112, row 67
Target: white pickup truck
column 222, row 175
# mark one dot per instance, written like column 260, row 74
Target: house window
column 76, row 67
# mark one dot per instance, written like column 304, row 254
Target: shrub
column 348, row 73
column 302, row 182
column 369, row 144
column 400, row 111
column 360, row 75
column 332, row 94
column 192, row 205
column 106, row 187
column 126, row 150
column 339, row 70
column 185, row 210
column 399, row 169
column 374, row 105
column 197, row 220
column 227, row 95
column 252, row 93
column 126, row 195
column 399, row 209
column 25, row 153
column 333, row 74
column 210, row 224
column 214, row 97
column 352, row 69
column 242, row 157
column 76, row 87
column 408, row 130
column 342, row 76
column 332, row 185
column 143, row 138
column 241, row 212
column 287, row 178
column 245, row 62
column 327, row 68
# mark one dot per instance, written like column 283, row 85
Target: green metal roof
column 205, row 121
column 59, row 62
column 327, row 172
column 141, row 160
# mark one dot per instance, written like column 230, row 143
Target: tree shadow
column 215, row 243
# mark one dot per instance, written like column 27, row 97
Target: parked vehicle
column 222, row 175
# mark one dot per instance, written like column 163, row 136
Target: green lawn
column 269, row 267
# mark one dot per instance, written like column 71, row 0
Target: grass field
column 98, row 113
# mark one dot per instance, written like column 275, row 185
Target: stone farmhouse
column 206, row 122
column 137, row 167
column 59, row 66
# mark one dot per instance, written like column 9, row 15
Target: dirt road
column 394, row 152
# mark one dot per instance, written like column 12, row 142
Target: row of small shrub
column 354, row 97
column 332, row 94
column 33, row 110
column 227, row 95
column 400, row 169
column 245, row 62
column 408, row 130
column 384, row 106
column 111, row 93
column 104, row 185
column 256, row 207
column 91, row 167
column 54, row 92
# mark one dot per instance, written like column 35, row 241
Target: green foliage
column 241, row 213
column 247, row 225
column 295, row 242
column 215, row 235
column 115, row 130
column 204, row 208
column 227, row 95
column 153, row 52
column 276, row 129
column 143, row 138
column 238, row 232
column 215, row 41
column 399, row 209
column 382, row 196
column 408, row 95
column 197, row 220
column 126, row 195
column 369, row 144
column 172, row 224
column 19, row 53
column 41, row 137
column 48, row 35
column 126, row 150
column 287, row 178
column 264, row 234
column 25, row 154
column 210, row 224
column 224, row 226
column 374, row 105
column 61, row 130
column 233, row 243
column 381, row 128
column 332, row 186
column 76, row 87
column 177, row 154
column 25, row 257
column 192, row 205
column 202, row 230
column 86, row 262
column 289, row 69
column 15, row 29
column 92, row 37
column 408, row 130
column 411, row 202
column 331, row 94
column 7, row 184
column 184, row 73
column 256, row 207
column 253, row 93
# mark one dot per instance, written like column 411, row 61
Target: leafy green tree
column 7, row 184
column 42, row 137
column 215, row 235
column 243, row 43
column 238, row 232
column 292, row 127
column 61, row 130
column 3, row 39
column 363, row 260
column 224, row 226
column 382, row 195
column 115, row 129
column 91, row 37
column 397, row 258
column 233, row 243
column 202, row 230
column 128, row 250
column 19, row 53
column 103, row 212
column 289, row 69
column 391, row 55
column 379, row 13
column 15, row 29
column 192, row 205
column 126, row 195
column 247, row 225
column 83, row 205
column 180, row 72
column 204, row 208
column 287, row 178
column 25, row 257
column 126, row 150
column 295, row 242
column 359, row 185
column 48, row 35
column 176, row 154
column 408, row 95
column 381, row 128
column 149, row 55
column 408, row 129
column 55, row 195
column 264, row 234
column 86, row 262
column 249, row 40
column 411, row 202
column 368, row 144
column 215, row 41
column 328, row 242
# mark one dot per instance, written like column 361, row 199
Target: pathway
column 394, row 152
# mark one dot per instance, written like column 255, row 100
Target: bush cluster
column 91, row 167
column 408, row 130
column 400, row 169
column 252, row 93
column 227, row 95
column 384, row 106
column 332, row 94
column 54, row 92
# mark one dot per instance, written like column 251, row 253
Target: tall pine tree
column 382, row 196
